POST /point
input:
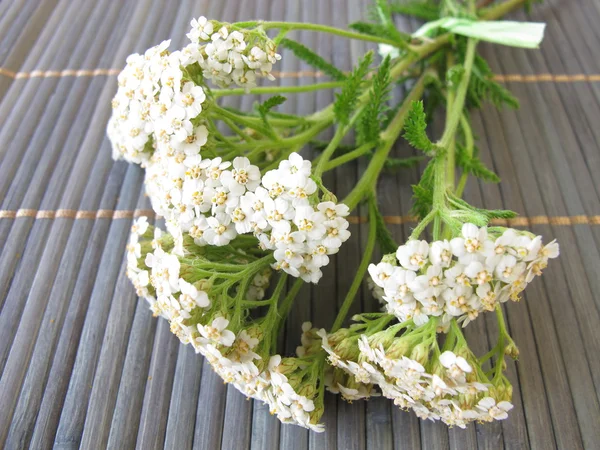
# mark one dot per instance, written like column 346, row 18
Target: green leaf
column 373, row 114
column 505, row 32
column 421, row 10
column 393, row 164
column 423, row 192
column 415, row 126
column 307, row 55
column 382, row 13
column 473, row 165
column 473, row 213
column 387, row 244
column 264, row 110
column 372, row 29
column 345, row 101
column 269, row 104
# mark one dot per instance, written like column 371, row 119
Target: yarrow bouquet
column 245, row 213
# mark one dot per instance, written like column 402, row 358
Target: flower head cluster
column 237, row 352
column 462, row 277
column 215, row 201
column 435, row 386
column 156, row 106
column 228, row 55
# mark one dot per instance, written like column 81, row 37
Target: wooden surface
column 84, row 365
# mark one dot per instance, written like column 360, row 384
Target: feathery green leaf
column 415, row 126
column 423, row 192
column 307, row 55
column 373, row 115
column 345, row 101
column 421, row 10
column 393, row 164
column 386, row 242
column 265, row 107
column 473, row 165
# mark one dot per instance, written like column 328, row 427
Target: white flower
column 332, row 210
column 202, row 29
column 413, row 255
column 493, row 410
column 243, row 346
column 381, row 273
column 191, row 297
column 192, row 144
column 440, row 253
column 243, row 176
column 429, row 284
column 478, row 273
column 509, row 269
column 217, row 332
column 310, row 222
column 221, row 231
column 294, row 171
column 336, row 234
column 190, row 99
column 472, row 243
column 457, row 366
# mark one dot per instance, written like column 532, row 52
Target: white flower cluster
column 232, row 355
column 155, row 106
column 462, row 277
column 215, row 201
column 232, row 56
column 436, row 396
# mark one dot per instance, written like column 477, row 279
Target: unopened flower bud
column 307, row 390
column 390, row 259
column 287, row 366
column 381, row 339
column 398, row 348
column 420, row 353
column 203, row 285
column 511, row 350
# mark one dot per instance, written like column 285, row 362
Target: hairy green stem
column 289, row 26
column 284, row 308
column 388, row 137
column 495, row 12
column 362, row 268
column 277, row 89
column 343, row 159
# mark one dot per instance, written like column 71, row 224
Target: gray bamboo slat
column 39, row 164
column 561, row 201
column 534, row 205
column 98, row 370
column 126, row 416
column 14, row 53
column 184, row 400
column 42, row 281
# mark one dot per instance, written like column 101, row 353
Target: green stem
column 388, row 137
column 362, row 268
column 457, row 106
column 454, row 112
column 284, row 308
column 501, row 9
column 451, row 146
column 423, row 224
column 330, row 149
column 236, row 130
column 277, row 89
column 343, row 159
column 266, row 25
